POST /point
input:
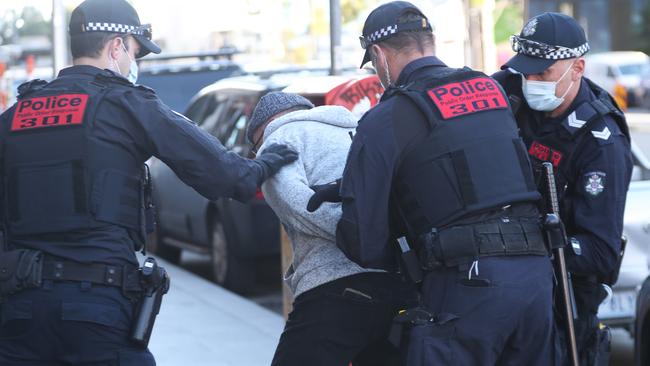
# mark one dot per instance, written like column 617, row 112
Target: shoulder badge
column 594, row 183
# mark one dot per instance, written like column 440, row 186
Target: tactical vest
column 472, row 159
column 58, row 176
column 559, row 146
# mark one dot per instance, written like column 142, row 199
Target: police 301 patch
column 468, row 96
column 594, row 183
column 51, row 111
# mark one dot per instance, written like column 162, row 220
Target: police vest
column 558, row 147
column 58, row 176
column 472, row 159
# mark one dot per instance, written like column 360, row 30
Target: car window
column 227, row 120
column 238, row 132
column 641, row 169
column 631, row 69
column 610, row 72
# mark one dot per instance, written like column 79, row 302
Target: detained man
column 341, row 312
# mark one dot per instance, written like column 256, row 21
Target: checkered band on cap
column 556, row 53
column 112, row 28
column 382, row 33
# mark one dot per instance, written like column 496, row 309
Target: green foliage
column 509, row 20
column 34, row 24
column 351, row 9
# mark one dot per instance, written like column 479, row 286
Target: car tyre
column 642, row 331
column 228, row 270
column 157, row 246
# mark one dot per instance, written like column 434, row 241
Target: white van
column 614, row 71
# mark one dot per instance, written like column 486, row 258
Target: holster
column 20, row 269
column 405, row 320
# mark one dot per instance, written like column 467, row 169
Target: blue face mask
column 540, row 95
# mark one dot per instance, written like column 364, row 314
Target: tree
column 33, row 23
column 350, row 9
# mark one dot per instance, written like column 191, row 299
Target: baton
column 557, row 239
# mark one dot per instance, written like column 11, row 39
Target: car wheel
column 642, row 331
column 157, row 246
column 228, row 270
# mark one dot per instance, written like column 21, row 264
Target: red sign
column 545, row 153
column 356, row 94
column 466, row 97
column 52, row 111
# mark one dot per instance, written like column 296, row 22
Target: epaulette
column 31, row 86
column 108, row 77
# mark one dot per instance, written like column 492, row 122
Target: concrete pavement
column 202, row 324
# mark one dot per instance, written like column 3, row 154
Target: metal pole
column 335, row 37
column 59, row 42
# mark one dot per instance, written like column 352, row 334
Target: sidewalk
column 202, row 324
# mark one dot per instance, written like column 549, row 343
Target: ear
column 578, row 68
column 114, row 48
column 375, row 51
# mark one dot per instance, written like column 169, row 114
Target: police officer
column 569, row 121
column 74, row 196
column 439, row 162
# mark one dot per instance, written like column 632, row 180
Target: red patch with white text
column 468, row 96
column 545, row 153
column 52, row 111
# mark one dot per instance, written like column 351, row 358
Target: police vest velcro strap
column 463, row 244
column 97, row 273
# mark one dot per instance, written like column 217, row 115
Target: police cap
column 545, row 39
column 112, row 16
column 381, row 24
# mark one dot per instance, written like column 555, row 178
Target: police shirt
column 135, row 121
column 592, row 187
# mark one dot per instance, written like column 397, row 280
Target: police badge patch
column 530, row 28
column 594, row 183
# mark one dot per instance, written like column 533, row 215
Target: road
column 268, row 289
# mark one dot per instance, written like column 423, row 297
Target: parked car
column 618, row 71
column 176, row 78
column 642, row 320
column 235, row 235
column 619, row 310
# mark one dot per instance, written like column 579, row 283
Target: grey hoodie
column 321, row 137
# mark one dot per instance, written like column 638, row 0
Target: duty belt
column 125, row 277
column 463, row 244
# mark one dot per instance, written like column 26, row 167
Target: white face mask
column 132, row 76
column 540, row 95
column 388, row 82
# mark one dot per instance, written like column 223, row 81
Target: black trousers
column 345, row 320
column 71, row 324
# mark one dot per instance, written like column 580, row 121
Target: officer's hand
column 273, row 158
column 324, row 193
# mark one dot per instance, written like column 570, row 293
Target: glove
column 273, row 158
column 324, row 193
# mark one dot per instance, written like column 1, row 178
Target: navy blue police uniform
column 589, row 147
column 439, row 161
column 75, row 203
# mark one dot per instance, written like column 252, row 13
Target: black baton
column 557, row 239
